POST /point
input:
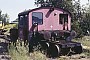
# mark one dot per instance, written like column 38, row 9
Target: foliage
column 9, row 26
column 64, row 4
column 77, row 28
column 18, row 54
column 21, row 53
column 4, row 18
column 0, row 15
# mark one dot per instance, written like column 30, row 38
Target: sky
column 13, row 7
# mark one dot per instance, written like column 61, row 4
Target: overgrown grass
column 85, row 41
column 21, row 53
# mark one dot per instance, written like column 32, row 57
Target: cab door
column 23, row 27
column 64, row 21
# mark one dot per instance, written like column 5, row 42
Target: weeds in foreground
column 18, row 53
column 21, row 52
column 85, row 41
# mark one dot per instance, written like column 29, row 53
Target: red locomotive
column 50, row 28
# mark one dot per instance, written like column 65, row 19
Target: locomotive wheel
column 44, row 47
column 78, row 49
column 54, row 51
column 47, row 47
column 57, row 50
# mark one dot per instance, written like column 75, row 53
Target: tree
column 84, row 19
column 4, row 18
column 85, row 24
column 64, row 4
column 0, row 15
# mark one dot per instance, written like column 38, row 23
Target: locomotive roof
column 28, row 11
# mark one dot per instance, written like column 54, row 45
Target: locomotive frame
column 50, row 28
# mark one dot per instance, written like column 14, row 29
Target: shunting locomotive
column 50, row 28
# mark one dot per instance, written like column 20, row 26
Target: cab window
column 21, row 20
column 37, row 17
column 63, row 18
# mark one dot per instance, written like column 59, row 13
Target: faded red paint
column 51, row 21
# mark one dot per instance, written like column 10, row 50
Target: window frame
column 42, row 17
column 60, row 19
column 21, row 20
